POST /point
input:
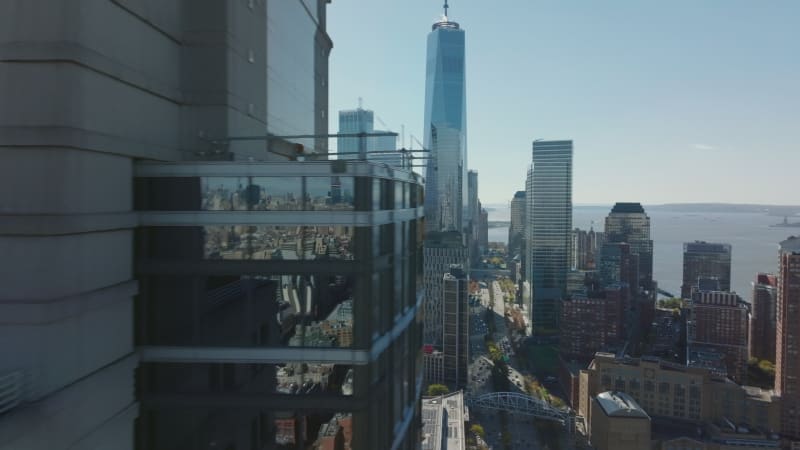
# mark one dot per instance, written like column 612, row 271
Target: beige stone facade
column 673, row 391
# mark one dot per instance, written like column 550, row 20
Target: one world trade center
column 445, row 128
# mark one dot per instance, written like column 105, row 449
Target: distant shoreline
column 775, row 210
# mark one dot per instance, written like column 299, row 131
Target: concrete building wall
column 88, row 87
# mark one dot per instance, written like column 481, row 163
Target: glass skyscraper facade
column 257, row 320
column 549, row 230
column 629, row 223
column 445, row 129
column 705, row 260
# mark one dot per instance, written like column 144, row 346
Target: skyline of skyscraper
column 549, row 227
column 445, row 133
column 190, row 265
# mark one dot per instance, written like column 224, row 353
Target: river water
column 754, row 243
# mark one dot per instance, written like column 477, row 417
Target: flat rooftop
column 620, row 404
column 443, row 420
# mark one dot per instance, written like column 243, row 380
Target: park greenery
column 500, row 368
column 760, row 373
column 477, row 430
column 435, row 390
column 509, row 289
column 671, row 303
column 535, row 389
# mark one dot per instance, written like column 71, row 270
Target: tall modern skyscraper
column 763, row 309
column 445, row 130
column 516, row 229
column 549, row 211
column 586, row 246
column 787, row 358
column 705, row 260
column 380, row 149
column 474, row 215
column 441, row 251
column 455, row 339
column 628, row 222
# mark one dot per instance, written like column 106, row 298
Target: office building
column 443, row 420
column 441, row 250
column 190, row 304
column 483, row 231
column 473, row 203
column 455, row 336
column 705, row 260
column 617, row 422
column 619, row 267
column 717, row 331
column 433, row 363
column 678, row 393
column 549, row 223
column 261, row 266
column 378, row 148
column 474, row 215
column 446, row 199
column 787, row 361
column 88, row 90
column 628, row 222
column 585, row 249
column 600, row 309
column 516, row 229
column 763, row 309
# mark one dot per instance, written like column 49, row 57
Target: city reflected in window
column 278, row 242
column 277, row 194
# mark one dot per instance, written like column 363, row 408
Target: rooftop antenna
column 445, row 8
column 360, row 102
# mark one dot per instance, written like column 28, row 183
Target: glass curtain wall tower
column 445, row 129
column 629, row 223
column 549, row 217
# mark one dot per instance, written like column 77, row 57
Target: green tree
column 506, row 438
column 437, row 389
column 477, row 430
column 671, row 303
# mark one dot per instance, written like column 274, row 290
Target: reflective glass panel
column 224, row 194
column 329, row 194
column 277, row 193
column 292, row 242
column 281, row 310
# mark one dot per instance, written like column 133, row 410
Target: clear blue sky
column 670, row 101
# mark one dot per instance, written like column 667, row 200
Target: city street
column 521, row 428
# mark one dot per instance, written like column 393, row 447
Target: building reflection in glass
column 277, row 194
column 278, row 242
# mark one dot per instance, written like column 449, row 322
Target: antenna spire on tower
column 445, row 8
